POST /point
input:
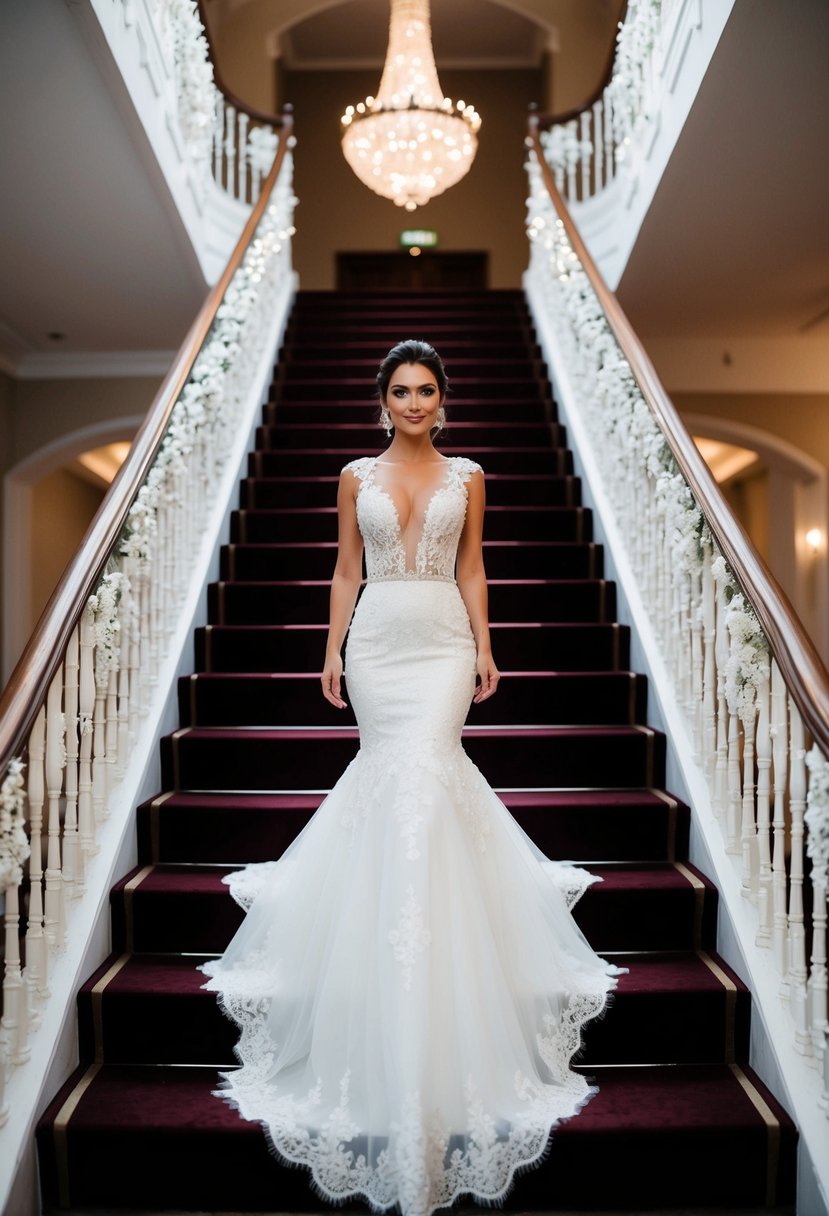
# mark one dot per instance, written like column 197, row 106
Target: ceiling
column 736, row 241
column 467, row 33
column 89, row 244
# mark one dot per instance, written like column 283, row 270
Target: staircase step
column 637, row 906
column 586, row 826
column 131, row 1126
column 479, row 367
column 293, row 759
column 538, row 697
column 683, row 1007
column 366, row 434
column 328, row 461
column 541, row 646
column 262, row 603
column 501, row 523
column 502, row 558
column 501, row 490
column 359, row 388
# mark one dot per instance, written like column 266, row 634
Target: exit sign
column 426, row 238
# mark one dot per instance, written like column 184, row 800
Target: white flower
column 14, row 843
column 816, row 817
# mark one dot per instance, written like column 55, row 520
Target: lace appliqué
column 443, row 521
column 411, row 937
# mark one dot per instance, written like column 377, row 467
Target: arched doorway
column 50, row 499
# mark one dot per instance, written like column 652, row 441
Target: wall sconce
column 814, row 540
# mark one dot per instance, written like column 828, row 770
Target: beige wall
column 63, row 505
column 486, row 210
column 800, row 418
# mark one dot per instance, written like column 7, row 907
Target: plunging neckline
column 443, row 485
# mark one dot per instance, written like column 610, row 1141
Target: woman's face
column 413, row 399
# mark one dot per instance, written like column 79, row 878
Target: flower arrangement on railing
column 86, row 731
column 600, row 139
column 743, row 723
column 14, row 843
column 196, row 92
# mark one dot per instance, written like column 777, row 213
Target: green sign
column 426, row 238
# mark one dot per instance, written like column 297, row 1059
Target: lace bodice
column 431, row 539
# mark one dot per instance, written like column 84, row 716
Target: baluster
column 764, row 895
column 798, row 973
column 73, row 883
column 817, row 985
column 734, row 787
column 86, row 816
column 722, row 784
column 37, row 962
column 230, row 150
column 709, row 668
column 585, row 152
column 572, row 161
column 244, row 157
column 218, row 127
column 54, row 914
column 100, row 775
column 111, row 733
column 609, row 143
column 127, row 618
column 695, row 623
column 748, row 826
column 778, row 863
column 598, row 151
column 14, row 1026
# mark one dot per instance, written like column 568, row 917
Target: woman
column 409, row 982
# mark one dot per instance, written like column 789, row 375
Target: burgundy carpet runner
column 680, row 1120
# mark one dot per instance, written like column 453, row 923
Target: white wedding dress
column 409, row 983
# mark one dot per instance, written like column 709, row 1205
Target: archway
column 19, row 487
column 798, row 489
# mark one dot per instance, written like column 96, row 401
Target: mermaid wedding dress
column 408, row 981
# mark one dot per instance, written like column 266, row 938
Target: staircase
column 680, row 1120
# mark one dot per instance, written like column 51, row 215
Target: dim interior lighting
column 415, row 251
column 410, row 143
column 814, row 539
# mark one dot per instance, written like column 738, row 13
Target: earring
column 385, row 421
column 440, row 419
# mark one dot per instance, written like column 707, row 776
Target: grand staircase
column 680, row 1120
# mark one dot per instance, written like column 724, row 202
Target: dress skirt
column 409, row 983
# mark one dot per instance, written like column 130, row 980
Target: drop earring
column 385, row 421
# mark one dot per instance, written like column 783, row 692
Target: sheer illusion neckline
column 442, row 485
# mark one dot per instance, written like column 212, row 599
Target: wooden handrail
column 44, row 652
column 545, row 121
column 800, row 663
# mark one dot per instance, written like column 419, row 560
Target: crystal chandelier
column 410, row 142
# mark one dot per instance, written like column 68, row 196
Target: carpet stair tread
column 301, row 600
column 675, row 1007
column 501, row 490
column 695, row 1113
column 284, row 698
column 587, row 825
column 330, row 460
column 636, row 906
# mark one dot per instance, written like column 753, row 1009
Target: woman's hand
column 489, row 676
column 331, row 677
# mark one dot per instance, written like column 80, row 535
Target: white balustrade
column 769, row 784
column 587, row 153
column 96, row 704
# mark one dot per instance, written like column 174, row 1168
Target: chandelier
column 410, row 142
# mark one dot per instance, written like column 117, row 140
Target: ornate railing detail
column 754, row 695
column 77, row 740
column 587, row 150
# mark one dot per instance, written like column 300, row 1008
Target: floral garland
column 625, row 96
column 14, row 843
column 196, row 92
column 102, row 608
column 816, row 817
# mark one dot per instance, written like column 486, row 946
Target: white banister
column 768, row 782
column 94, row 712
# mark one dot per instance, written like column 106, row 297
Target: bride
column 409, row 983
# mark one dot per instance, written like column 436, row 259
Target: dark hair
column 411, row 351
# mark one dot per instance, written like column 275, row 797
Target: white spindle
column 599, row 180
column 244, row 120
column 798, row 973
column 779, row 733
column 73, row 873
column 37, row 965
column 585, row 153
column 53, row 919
column 86, row 813
column 763, row 749
column 230, row 150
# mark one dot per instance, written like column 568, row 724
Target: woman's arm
column 472, row 586
column 345, row 584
